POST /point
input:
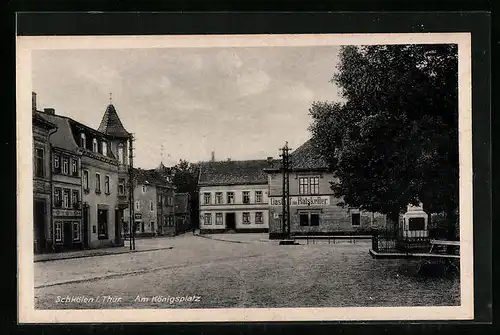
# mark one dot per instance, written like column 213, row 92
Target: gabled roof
column 41, row 122
column 233, row 173
column 63, row 137
column 111, row 124
column 307, row 157
column 181, row 203
column 150, row 177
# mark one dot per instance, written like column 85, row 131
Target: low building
column 313, row 207
column 182, row 212
column 233, row 196
column 153, row 205
column 42, row 200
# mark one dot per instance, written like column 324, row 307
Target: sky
column 241, row 102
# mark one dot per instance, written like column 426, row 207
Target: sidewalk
column 96, row 252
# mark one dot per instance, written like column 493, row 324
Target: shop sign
column 318, row 200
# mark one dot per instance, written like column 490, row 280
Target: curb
column 218, row 239
column 99, row 255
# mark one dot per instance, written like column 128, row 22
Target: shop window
column 303, row 185
column 314, row 181
column 218, row 198
column 258, row 217
column 246, row 197
column 206, row 198
column 246, row 218
column 102, row 222
column 58, row 231
column 230, row 197
column 314, row 219
column 304, row 219
column 76, row 231
column 356, row 219
column 208, row 219
column 258, row 197
column 218, row 219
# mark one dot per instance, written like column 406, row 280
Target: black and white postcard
column 196, row 178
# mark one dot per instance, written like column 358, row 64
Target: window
column 218, row 198
column 86, row 179
column 258, row 197
column 258, row 217
column 57, row 197
column 97, row 183
column 57, row 165
column 230, row 197
column 95, row 148
column 74, row 167
column 106, row 184
column 144, row 188
column 151, row 206
column 246, row 218
column 66, row 203
column 416, row 224
column 83, row 141
column 121, row 186
column 206, row 198
column 121, row 152
column 58, row 231
column 104, row 148
column 39, row 171
column 303, row 189
column 355, row 219
column 76, row 231
column 65, row 165
column 74, row 199
column 218, row 218
column 208, row 219
column 246, row 197
column 137, row 206
column 169, row 201
column 314, row 185
column 102, row 221
column 309, row 219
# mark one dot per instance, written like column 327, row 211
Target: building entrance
column 230, row 221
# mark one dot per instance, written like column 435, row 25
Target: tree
column 185, row 179
column 394, row 138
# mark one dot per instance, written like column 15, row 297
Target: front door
column 39, row 225
column 68, row 235
column 230, row 221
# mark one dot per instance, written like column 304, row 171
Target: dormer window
column 83, row 141
column 104, row 148
column 121, row 153
column 95, row 148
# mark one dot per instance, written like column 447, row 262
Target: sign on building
column 302, row 201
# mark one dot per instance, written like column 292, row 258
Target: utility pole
column 285, row 200
column 131, row 191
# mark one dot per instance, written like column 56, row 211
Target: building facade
column 233, row 196
column 313, row 207
column 42, row 200
column 182, row 212
column 85, row 186
column 153, row 205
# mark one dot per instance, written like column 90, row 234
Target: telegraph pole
column 285, row 200
column 131, row 191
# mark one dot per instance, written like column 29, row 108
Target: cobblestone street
column 223, row 271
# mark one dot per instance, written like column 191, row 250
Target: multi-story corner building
column 313, row 207
column 85, row 186
column 182, row 212
column 233, row 196
column 42, row 200
column 153, row 204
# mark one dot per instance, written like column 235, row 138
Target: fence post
column 375, row 241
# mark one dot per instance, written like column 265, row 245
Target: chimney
column 50, row 111
column 33, row 102
column 212, row 158
column 270, row 161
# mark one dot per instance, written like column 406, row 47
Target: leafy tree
column 185, row 179
column 394, row 138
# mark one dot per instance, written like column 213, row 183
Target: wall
column 165, row 200
column 102, row 200
column 238, row 207
column 147, row 216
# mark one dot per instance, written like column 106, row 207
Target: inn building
column 313, row 207
column 233, row 196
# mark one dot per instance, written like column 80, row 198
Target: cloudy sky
column 243, row 103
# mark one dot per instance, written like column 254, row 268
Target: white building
column 233, row 196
